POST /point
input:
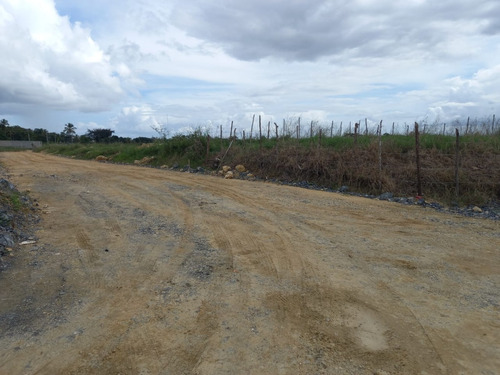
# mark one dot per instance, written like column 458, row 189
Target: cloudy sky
column 136, row 65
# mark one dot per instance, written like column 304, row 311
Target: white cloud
column 307, row 31
column 48, row 61
column 199, row 63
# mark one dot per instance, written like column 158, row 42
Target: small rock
column 229, row 175
column 7, row 184
column 240, row 168
column 226, row 168
column 101, row 158
column 385, row 196
column 344, row 189
column 6, row 240
column 477, row 209
column 5, row 218
column 164, row 166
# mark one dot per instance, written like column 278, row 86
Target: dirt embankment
column 141, row 271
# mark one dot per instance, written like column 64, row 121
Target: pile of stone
column 18, row 215
column 238, row 172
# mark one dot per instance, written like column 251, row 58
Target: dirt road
column 144, row 271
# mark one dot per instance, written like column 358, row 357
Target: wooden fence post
column 417, row 152
column 379, row 131
column 251, row 128
column 457, row 162
column 231, row 131
column 268, row 129
column 221, row 146
column 208, row 149
column 260, row 133
column 356, row 128
column 331, row 130
column 366, row 126
column 277, row 138
column 340, row 129
column 319, row 139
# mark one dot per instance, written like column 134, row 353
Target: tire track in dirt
column 306, row 296
column 148, row 202
column 292, row 304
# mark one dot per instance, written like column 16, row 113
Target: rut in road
column 138, row 270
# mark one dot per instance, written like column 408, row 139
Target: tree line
column 67, row 135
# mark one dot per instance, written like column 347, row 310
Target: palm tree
column 69, row 131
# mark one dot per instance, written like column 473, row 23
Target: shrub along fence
column 452, row 167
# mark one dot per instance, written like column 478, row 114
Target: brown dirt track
column 145, row 271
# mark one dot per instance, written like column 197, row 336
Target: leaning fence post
column 457, row 162
column 417, row 152
column 251, row 128
column 221, row 145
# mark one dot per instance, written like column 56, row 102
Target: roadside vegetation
column 363, row 158
column 368, row 163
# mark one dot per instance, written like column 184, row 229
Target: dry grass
column 358, row 168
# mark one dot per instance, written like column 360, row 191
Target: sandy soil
column 145, row 271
